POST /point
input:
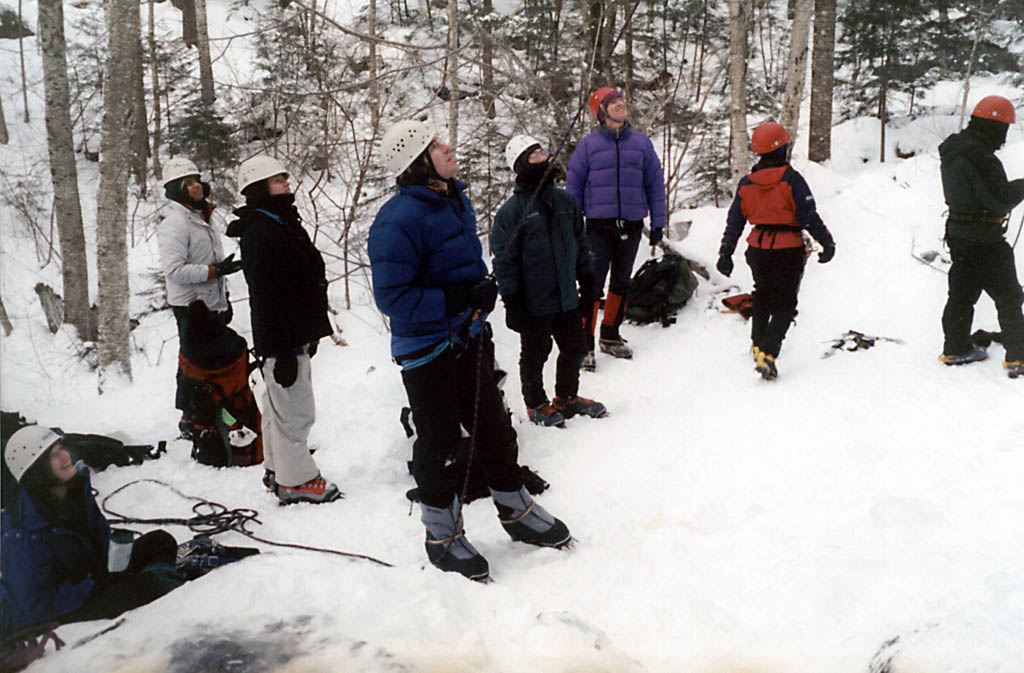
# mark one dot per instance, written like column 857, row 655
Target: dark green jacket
column 540, row 256
column 975, row 186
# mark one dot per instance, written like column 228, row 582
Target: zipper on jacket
column 623, row 235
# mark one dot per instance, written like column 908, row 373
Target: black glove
column 827, row 254
column 656, row 235
column 286, row 368
column 312, row 347
column 724, row 265
column 516, row 315
column 482, row 295
column 230, row 312
column 227, row 266
column 588, row 291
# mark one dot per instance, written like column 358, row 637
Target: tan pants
column 288, row 416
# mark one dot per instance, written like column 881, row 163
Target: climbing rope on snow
column 212, row 518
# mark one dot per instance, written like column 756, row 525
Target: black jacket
column 539, row 255
column 286, row 277
column 975, row 186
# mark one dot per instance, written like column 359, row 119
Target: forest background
column 128, row 85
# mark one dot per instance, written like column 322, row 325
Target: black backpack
column 660, row 288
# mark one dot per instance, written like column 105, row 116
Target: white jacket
column 187, row 246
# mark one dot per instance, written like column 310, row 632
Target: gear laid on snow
column 852, row 340
column 659, row 289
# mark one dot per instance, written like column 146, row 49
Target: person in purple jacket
column 615, row 176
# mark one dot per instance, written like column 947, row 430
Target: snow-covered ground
column 723, row 524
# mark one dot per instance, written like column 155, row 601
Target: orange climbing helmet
column 599, row 98
column 768, row 137
column 995, row 107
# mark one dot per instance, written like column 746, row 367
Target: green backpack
column 660, row 288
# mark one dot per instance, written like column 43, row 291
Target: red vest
column 768, row 200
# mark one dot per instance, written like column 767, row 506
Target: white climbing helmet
column 403, row 142
column 179, row 167
column 516, row 146
column 26, row 446
column 259, row 167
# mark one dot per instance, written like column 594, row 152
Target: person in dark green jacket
column 980, row 199
column 541, row 255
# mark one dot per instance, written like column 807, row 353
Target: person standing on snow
column 288, row 307
column 540, row 254
column 615, row 176
column 192, row 260
column 980, row 199
column 777, row 201
column 430, row 279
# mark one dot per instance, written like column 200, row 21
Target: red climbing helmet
column 768, row 137
column 995, row 107
column 597, row 100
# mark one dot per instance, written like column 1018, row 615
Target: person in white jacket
column 192, row 257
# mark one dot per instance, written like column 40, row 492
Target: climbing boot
column 617, row 348
column 576, row 405
column 1014, row 368
column 589, row 363
column 546, row 415
column 975, row 354
column 526, row 521
column 446, row 544
column 764, row 365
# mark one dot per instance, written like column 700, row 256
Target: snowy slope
column 723, row 524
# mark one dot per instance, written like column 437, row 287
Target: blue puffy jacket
column 618, row 176
column 420, row 242
column 50, row 566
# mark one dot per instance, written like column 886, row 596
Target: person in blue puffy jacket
column 430, row 280
column 616, row 177
column 54, row 556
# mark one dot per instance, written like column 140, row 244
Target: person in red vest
column 774, row 198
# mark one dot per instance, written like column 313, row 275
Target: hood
column 237, row 227
column 768, row 177
column 958, row 145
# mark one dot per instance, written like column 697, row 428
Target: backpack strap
column 270, row 215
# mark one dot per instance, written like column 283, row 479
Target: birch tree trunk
column 112, row 211
column 139, row 131
column 206, row 92
column 819, row 145
column 487, row 65
column 63, row 170
column 21, row 55
column 797, row 68
column 4, row 139
column 155, row 76
column 739, row 19
column 453, row 71
column 374, row 86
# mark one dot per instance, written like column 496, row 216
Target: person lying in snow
column 57, row 561
column 54, row 557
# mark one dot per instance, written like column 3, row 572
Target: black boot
column 446, row 544
column 526, row 521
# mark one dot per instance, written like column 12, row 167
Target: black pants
column 443, row 396
column 777, row 275
column 978, row 267
column 609, row 249
column 535, row 340
column 150, row 574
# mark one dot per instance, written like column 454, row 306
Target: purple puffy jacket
column 617, row 177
